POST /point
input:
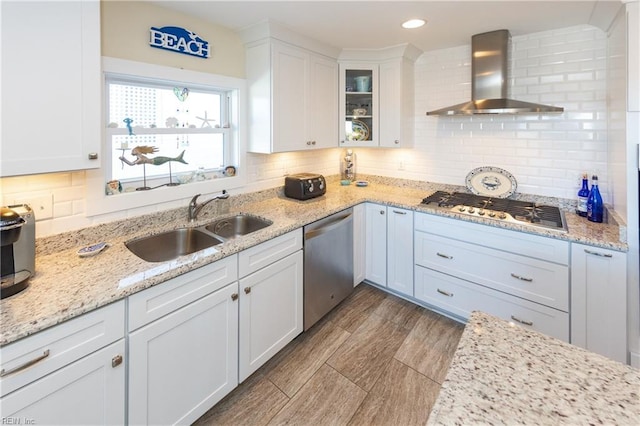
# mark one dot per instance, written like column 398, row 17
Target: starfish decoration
column 205, row 120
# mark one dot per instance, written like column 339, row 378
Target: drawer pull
column 595, row 253
column 521, row 278
column 516, row 319
column 446, row 256
column 116, row 361
column 4, row 373
column 446, row 293
column 398, row 212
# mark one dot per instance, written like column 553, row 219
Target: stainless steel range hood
column 490, row 58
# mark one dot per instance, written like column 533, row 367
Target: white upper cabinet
column 377, row 97
column 50, row 86
column 396, row 103
column 292, row 94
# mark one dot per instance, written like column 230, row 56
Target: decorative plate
column 491, row 182
column 359, row 131
column 362, row 183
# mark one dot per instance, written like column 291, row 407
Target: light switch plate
column 42, row 206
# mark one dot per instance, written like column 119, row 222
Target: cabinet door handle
column 446, row 293
column 381, row 211
column 247, row 290
column 516, row 319
column 4, row 372
column 521, row 278
column 595, row 253
column 234, row 296
column 446, row 256
column 399, row 212
column 116, row 361
column 396, row 142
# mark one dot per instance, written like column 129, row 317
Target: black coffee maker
column 17, row 245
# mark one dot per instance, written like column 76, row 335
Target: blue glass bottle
column 583, row 196
column 595, row 206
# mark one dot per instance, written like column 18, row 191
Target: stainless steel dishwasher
column 328, row 264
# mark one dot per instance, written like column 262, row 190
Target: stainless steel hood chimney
column 490, row 57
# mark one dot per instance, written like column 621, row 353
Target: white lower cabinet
column 184, row 361
column 73, row 373
column 400, row 250
column 461, row 267
column 89, row 391
column 389, row 247
column 359, row 243
column 460, row 298
column 271, row 303
column 376, row 244
column 599, row 300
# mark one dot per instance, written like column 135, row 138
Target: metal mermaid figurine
column 140, row 151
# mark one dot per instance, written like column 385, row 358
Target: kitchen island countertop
column 504, row 374
column 66, row 285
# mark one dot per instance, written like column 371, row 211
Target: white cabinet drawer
column 532, row 279
column 155, row 302
column 58, row 346
column 461, row 298
column 89, row 391
column 543, row 248
column 266, row 253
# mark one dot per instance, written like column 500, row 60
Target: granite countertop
column 504, row 374
column 66, row 285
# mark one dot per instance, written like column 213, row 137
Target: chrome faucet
column 194, row 207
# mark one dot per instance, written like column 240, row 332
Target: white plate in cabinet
column 90, row 391
column 543, row 248
column 532, row 279
column 459, row 297
column 185, row 362
column 155, row 302
column 38, row 355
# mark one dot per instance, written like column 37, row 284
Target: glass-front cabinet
column 359, row 105
column 377, row 97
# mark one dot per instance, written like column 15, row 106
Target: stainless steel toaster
column 303, row 186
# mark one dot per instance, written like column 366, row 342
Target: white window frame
column 225, row 130
column 97, row 202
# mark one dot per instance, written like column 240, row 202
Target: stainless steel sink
column 237, row 226
column 172, row 244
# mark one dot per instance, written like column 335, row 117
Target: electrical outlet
column 42, row 206
column 401, row 165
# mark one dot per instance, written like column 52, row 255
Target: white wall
column 547, row 154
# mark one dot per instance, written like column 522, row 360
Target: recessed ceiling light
column 413, row 23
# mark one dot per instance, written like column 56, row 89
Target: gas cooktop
column 501, row 209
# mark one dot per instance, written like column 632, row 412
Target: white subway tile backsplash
column 564, row 67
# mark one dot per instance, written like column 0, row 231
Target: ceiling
column 376, row 24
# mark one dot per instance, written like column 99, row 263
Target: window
column 166, row 134
column 169, row 134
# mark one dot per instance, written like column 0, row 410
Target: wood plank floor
column 374, row 360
